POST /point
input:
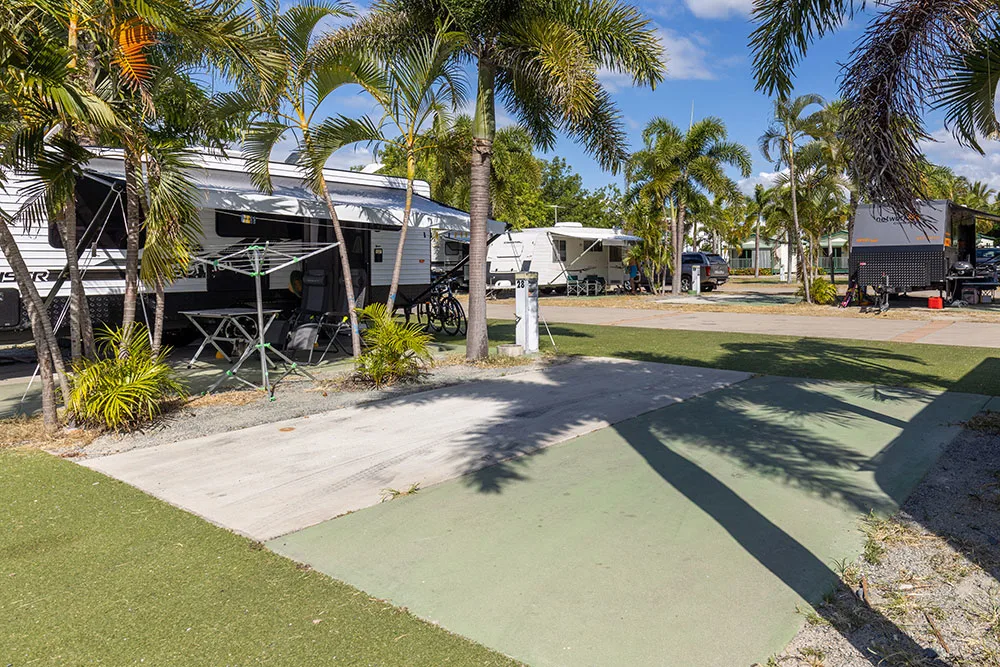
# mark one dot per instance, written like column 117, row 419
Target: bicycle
column 443, row 312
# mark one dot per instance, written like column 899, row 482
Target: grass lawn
column 969, row 369
column 94, row 571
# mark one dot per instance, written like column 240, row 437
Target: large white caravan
column 569, row 248
column 233, row 212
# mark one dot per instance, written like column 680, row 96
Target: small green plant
column 122, row 392
column 392, row 494
column 874, row 551
column 821, row 290
column 396, row 350
column 812, row 618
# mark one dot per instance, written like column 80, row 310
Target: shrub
column 122, row 393
column 749, row 272
column 821, row 290
column 396, row 350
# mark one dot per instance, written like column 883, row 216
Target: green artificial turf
column 969, row 369
column 94, row 571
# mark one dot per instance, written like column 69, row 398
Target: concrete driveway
column 276, row 478
column 688, row 535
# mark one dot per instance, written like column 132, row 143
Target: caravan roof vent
column 569, row 224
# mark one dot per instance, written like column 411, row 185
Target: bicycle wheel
column 463, row 321
column 450, row 316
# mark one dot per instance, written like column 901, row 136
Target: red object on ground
column 935, row 303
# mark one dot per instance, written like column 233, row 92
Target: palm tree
column 422, row 82
column 542, row 59
column 756, row 206
column 673, row 168
column 37, row 91
column 313, row 73
column 914, row 56
column 779, row 144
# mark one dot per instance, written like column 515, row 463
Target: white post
column 696, row 278
column 526, row 310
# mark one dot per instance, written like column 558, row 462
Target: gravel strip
column 932, row 573
column 236, row 410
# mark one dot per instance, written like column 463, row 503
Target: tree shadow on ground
column 788, row 435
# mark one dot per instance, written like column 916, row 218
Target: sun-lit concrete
column 272, row 479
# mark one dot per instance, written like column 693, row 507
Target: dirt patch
column 28, row 432
column 926, row 590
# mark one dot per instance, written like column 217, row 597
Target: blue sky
column 709, row 65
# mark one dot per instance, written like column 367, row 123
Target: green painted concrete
column 686, row 536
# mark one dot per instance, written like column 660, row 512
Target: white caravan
column 569, row 248
column 234, row 212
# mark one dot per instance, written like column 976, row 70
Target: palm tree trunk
column 795, row 221
column 675, row 286
column 477, row 342
column 756, row 250
column 158, row 315
column 345, row 268
column 81, row 329
column 133, row 166
column 46, row 346
column 411, row 173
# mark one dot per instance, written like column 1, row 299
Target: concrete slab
column 685, row 536
column 275, row 478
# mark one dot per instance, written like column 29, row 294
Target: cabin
column 233, row 212
column 567, row 249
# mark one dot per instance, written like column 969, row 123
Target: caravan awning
column 366, row 204
column 605, row 236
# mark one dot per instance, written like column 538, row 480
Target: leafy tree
column 780, row 143
column 562, row 188
column 542, row 59
column 674, row 167
column 515, row 175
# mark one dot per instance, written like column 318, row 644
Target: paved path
column 269, row 480
column 685, row 536
column 938, row 332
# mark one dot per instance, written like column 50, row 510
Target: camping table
column 221, row 333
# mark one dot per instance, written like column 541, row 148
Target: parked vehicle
column 714, row 270
column 895, row 255
column 568, row 252
column 234, row 213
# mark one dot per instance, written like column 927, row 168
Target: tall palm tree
column 542, row 60
column 673, row 168
column 313, row 73
column 422, row 81
column 779, row 144
column 756, row 206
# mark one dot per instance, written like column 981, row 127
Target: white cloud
column 719, row 9
column 944, row 149
column 765, row 178
column 686, row 57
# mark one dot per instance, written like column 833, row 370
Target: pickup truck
column 714, row 270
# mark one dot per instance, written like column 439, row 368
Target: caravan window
column 453, row 247
column 615, row 253
column 263, row 226
column 558, row 251
column 596, row 247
